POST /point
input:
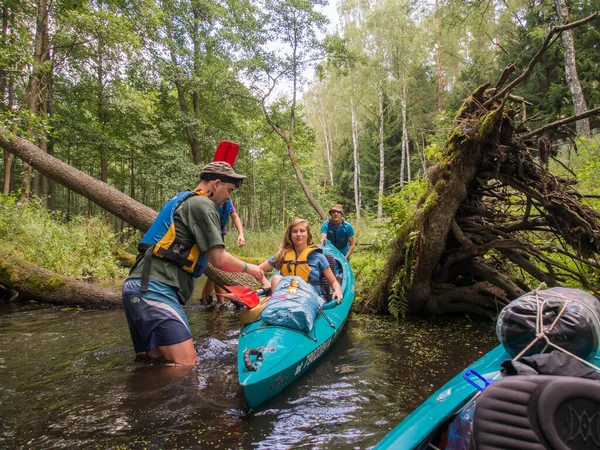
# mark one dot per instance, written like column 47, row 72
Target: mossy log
column 31, row 282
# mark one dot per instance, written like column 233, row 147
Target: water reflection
column 69, row 380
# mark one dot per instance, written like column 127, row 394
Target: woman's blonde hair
column 287, row 243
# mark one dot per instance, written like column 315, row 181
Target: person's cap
column 220, row 170
column 337, row 207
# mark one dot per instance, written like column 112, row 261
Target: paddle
column 227, row 151
column 247, row 296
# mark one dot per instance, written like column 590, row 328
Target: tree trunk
column 190, row 129
column 356, row 162
column 438, row 50
column 381, row 157
column 49, row 186
column 102, row 151
column 328, row 145
column 8, row 162
column 405, row 149
column 32, row 282
column 290, row 148
column 38, row 84
column 3, row 73
column 580, row 106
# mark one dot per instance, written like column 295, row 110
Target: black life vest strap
column 147, row 250
column 295, row 263
column 147, row 261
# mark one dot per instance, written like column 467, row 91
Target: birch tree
column 381, row 156
column 580, row 105
column 355, row 126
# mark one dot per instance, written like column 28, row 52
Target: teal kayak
column 271, row 357
column 430, row 420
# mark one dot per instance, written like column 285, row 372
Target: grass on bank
column 82, row 248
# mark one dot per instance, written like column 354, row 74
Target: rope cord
column 319, row 307
column 539, row 323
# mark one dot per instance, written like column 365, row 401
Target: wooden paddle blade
column 227, row 151
column 247, row 296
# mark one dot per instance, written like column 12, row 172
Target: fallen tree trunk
column 31, row 282
column 112, row 200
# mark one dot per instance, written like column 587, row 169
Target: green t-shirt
column 196, row 220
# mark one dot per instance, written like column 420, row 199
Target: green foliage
column 397, row 302
column 259, row 245
column 401, row 204
column 367, row 266
column 586, row 164
column 81, row 248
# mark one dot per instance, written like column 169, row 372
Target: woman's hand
column 337, row 294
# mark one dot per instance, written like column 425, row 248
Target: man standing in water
column 185, row 236
column 338, row 231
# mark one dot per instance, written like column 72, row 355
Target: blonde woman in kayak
column 298, row 256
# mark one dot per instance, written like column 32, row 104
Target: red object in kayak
column 242, row 294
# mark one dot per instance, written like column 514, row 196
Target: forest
column 461, row 136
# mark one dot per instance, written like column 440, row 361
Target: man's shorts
column 155, row 317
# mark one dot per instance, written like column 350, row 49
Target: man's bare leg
column 183, row 353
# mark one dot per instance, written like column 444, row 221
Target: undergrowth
column 82, row 248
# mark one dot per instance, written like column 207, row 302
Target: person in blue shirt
column 298, row 256
column 338, row 231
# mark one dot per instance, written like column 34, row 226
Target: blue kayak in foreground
column 271, row 357
column 538, row 390
column 430, row 420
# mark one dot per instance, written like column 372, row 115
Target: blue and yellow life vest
column 298, row 265
column 161, row 241
column 337, row 236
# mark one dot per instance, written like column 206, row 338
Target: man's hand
column 241, row 240
column 256, row 272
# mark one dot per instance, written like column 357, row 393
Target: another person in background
column 185, row 236
column 338, row 231
column 226, row 210
column 298, row 256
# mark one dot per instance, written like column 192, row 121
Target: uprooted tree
column 488, row 204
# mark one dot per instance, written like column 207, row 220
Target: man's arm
column 240, row 229
column 225, row 261
column 351, row 249
column 324, row 228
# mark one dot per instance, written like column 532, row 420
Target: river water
column 68, row 379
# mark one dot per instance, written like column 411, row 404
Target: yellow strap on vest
column 167, row 241
column 297, row 265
